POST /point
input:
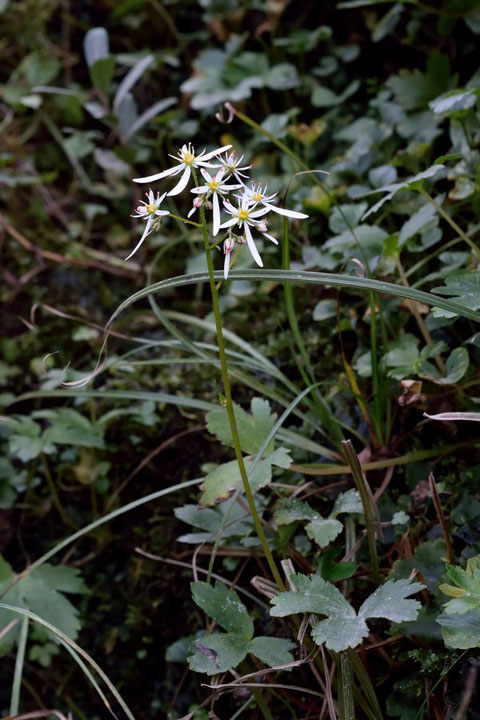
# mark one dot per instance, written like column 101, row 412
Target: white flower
column 196, row 204
column 228, row 246
column 244, row 217
column 215, row 187
column 256, row 194
column 230, row 163
column 148, row 211
column 186, row 159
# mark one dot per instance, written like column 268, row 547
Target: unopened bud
column 228, row 245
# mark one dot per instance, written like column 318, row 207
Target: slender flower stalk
column 229, row 407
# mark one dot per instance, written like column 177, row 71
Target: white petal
column 226, row 265
column 287, row 213
column 161, row 213
column 216, row 215
column 251, row 246
column 158, row 176
column 219, row 175
column 228, row 223
column 214, row 152
column 206, row 175
column 145, row 233
column 270, row 237
column 191, row 211
column 182, row 183
column 259, row 213
column 201, row 189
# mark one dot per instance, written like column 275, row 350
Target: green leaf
column 252, row 429
column 225, row 479
column 41, row 592
column 339, row 633
column 291, row 510
column 324, row 97
column 343, row 628
column 428, row 558
column 454, row 101
column 461, row 631
column 347, row 502
column 464, row 287
column 101, row 73
column 323, row 530
column 69, row 427
column 271, row 650
column 412, row 183
column 417, row 221
column 388, row 601
column 456, row 367
column 217, row 653
column 211, row 519
column 466, row 594
column 313, row 595
column 224, row 606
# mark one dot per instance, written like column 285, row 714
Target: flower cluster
column 251, row 206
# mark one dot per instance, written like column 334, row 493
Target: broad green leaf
column 69, row 427
column 466, row 594
column 271, row 650
column 217, row 653
column 413, row 90
column 418, row 220
column 428, row 558
column 101, row 73
column 347, row 502
column 313, row 595
column 224, row 606
column 464, row 287
column 323, row 530
column 225, row 479
column 412, row 183
column 252, row 429
column 461, row 631
column 339, row 633
column 454, row 101
column 388, row 601
column 456, row 367
column 210, row 520
column 41, row 593
column 324, row 97
column 290, row 510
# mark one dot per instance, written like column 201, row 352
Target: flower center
column 188, row 158
column 151, row 208
column 257, row 197
column 213, row 185
column 243, row 214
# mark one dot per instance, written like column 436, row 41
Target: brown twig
column 441, row 518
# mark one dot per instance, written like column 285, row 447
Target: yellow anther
column 188, row 157
column 151, row 208
column 257, row 197
column 213, row 185
column 243, row 214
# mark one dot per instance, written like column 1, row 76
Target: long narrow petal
column 219, row 175
column 182, row 183
column 158, row 176
column 200, row 189
column 216, row 215
column 213, row 153
column 145, row 233
column 251, row 246
column 161, row 213
column 226, row 265
column 259, row 213
column 270, row 237
column 228, row 223
column 286, row 213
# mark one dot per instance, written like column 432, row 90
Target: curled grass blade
column 70, row 644
column 303, row 276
